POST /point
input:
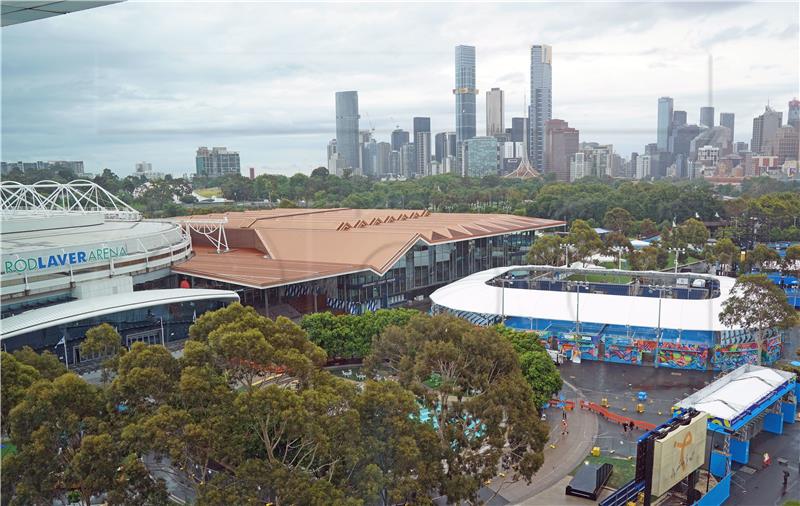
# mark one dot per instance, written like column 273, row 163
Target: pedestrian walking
column 766, row 461
column 785, row 481
column 564, row 427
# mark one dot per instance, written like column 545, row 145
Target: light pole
column 566, row 247
column 677, row 252
column 660, row 289
column 619, row 250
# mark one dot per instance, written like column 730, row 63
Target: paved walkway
column 561, row 456
column 554, row 495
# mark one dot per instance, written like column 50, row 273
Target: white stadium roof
column 734, row 393
column 474, row 295
column 68, row 312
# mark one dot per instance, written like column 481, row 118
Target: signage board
column 679, row 453
column 18, row 263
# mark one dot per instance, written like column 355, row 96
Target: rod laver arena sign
column 38, row 263
column 679, row 453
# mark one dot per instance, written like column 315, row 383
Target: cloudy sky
column 153, row 80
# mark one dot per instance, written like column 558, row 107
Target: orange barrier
column 613, row 417
column 568, row 405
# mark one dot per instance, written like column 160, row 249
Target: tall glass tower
column 541, row 108
column 465, row 93
column 347, row 128
column 664, row 123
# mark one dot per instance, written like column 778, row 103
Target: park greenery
column 248, row 415
column 763, row 209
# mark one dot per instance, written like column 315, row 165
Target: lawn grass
column 7, row 448
column 214, row 191
column 624, row 469
column 600, row 278
column 791, row 502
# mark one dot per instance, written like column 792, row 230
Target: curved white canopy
column 474, row 295
column 68, row 312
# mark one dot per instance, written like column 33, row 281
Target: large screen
column 679, row 453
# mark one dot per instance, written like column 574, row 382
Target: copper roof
column 283, row 246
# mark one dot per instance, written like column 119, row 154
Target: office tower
column 764, row 127
column 399, row 139
column 421, row 124
column 495, row 116
column 664, row 123
column 727, row 119
column 422, row 143
column 643, row 167
column 395, row 166
column 252, row 173
column 561, row 142
column 541, row 108
column 347, row 128
column 793, row 118
column 596, row 158
column 682, row 145
column 367, row 149
column 383, row 149
column 718, row 137
column 707, row 116
column 331, row 148
column 465, row 92
column 740, row 147
column 481, row 156
column 632, row 165
column 784, row 144
column 216, row 162
column 440, row 146
column 142, row 167
column 452, row 144
column 678, row 118
column 408, row 160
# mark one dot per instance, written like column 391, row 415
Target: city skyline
column 121, row 106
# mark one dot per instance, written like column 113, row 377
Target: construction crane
column 371, row 126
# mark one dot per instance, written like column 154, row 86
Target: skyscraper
column 793, row 118
column 707, row 116
column 399, row 138
column 421, row 124
column 347, row 128
column 678, row 118
column 422, row 143
column 727, row 119
column 382, row 159
column 664, row 123
column 764, row 128
column 495, row 116
column 465, row 92
column 216, row 162
column 481, row 156
column 541, row 108
column 561, row 142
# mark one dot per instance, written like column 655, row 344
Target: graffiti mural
column 622, row 350
column 683, row 356
column 727, row 358
column 588, row 351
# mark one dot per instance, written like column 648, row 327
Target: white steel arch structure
column 212, row 229
column 47, row 198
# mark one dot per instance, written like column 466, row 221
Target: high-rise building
column 143, row 167
column 678, row 118
column 665, row 120
column 367, row 149
column 481, row 156
column 632, row 165
column 408, row 160
column 440, row 146
column 682, row 145
column 331, row 148
column 740, row 147
column 422, row 141
column 399, row 139
column 382, row 158
column 395, row 165
column 643, row 167
column 421, row 124
column 495, row 116
column 727, row 119
column 764, row 127
column 216, row 162
column 252, row 173
column 793, row 118
column 541, row 107
column 784, row 144
column 707, row 116
column 465, row 93
column 347, row 136
column 561, row 142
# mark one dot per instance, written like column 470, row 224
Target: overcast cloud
column 153, row 80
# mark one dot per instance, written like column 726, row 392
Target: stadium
column 75, row 256
column 631, row 317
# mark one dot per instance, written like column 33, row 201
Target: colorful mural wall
column 622, row 350
column 682, row 356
